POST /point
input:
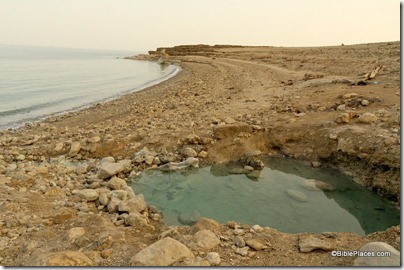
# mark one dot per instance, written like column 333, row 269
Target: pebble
column 316, row 164
column 242, row 251
column 364, row 102
column 239, row 241
column 213, row 258
column 341, row 107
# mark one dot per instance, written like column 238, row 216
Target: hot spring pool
column 280, row 198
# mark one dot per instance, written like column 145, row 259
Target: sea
column 38, row 82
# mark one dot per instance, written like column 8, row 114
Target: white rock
column 392, row 260
column 164, row 252
column 213, row 258
column 257, row 228
column 110, row 169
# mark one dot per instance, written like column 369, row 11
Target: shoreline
column 226, row 104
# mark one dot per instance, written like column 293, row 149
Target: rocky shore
column 65, row 195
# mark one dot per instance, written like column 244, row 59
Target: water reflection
column 276, row 198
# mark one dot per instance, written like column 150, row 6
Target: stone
column 149, row 160
column 312, row 184
column 297, row 195
column 229, row 120
column 192, row 139
column 20, row 157
column 255, row 162
column 65, row 258
column 136, row 219
column 74, row 148
column 316, row 164
column 343, row 118
column 104, row 199
column 367, row 118
column 254, row 175
column 203, row 154
column 239, row 241
column 135, row 204
column 189, row 152
column 58, row 147
column 364, row 102
column 107, row 160
column 108, row 169
column 374, row 247
column 341, row 107
column 257, row 228
column 256, row 244
column 113, row 205
column 242, row 251
column 75, row 233
column 310, row 243
column 349, row 95
column 89, row 195
column 213, row 258
column 205, row 223
column 189, row 218
column 117, row 183
column 164, row 252
column 94, row 139
column 203, row 240
column 172, row 166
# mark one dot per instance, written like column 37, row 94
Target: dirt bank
column 228, row 103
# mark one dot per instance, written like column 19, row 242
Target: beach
column 320, row 105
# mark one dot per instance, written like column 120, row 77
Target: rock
column 164, row 252
column 198, row 261
column 256, row 244
column 213, row 258
column 113, row 205
column 257, row 228
column 231, row 130
column 65, row 258
column 74, row 148
column 107, row 160
column 20, row 157
column 108, row 169
column 104, row 199
column 310, row 243
column 117, row 183
column 242, row 251
column 255, row 162
column 373, row 248
column 239, row 241
column 172, row 166
column 312, row 184
column 58, row 147
column 367, row 118
column 89, row 195
column 135, row 204
column 203, row 154
column 205, row 223
column 189, row 218
column 229, row 120
column 136, row 219
column 341, row 107
column 75, row 233
column 364, row 102
column 254, row 175
column 316, row 164
column 149, row 160
column 203, row 240
column 192, row 139
column 94, row 139
column 349, row 95
column 141, row 155
column 343, row 118
column 189, row 152
column 297, row 195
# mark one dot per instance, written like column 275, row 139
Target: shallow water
column 214, row 192
column 37, row 82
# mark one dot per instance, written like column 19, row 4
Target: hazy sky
column 141, row 25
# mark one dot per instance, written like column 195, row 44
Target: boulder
column 310, row 243
column 203, row 240
column 117, row 183
column 297, row 195
column 374, row 247
column 164, row 252
column 89, row 195
column 367, row 118
column 205, row 223
column 108, row 169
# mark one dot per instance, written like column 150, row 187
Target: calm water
column 36, row 82
column 214, row 192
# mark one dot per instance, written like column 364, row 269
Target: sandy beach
column 64, row 198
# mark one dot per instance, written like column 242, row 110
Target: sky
column 140, row 25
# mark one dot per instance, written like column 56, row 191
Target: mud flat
column 64, row 194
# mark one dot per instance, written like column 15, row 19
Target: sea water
column 36, row 82
column 217, row 193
